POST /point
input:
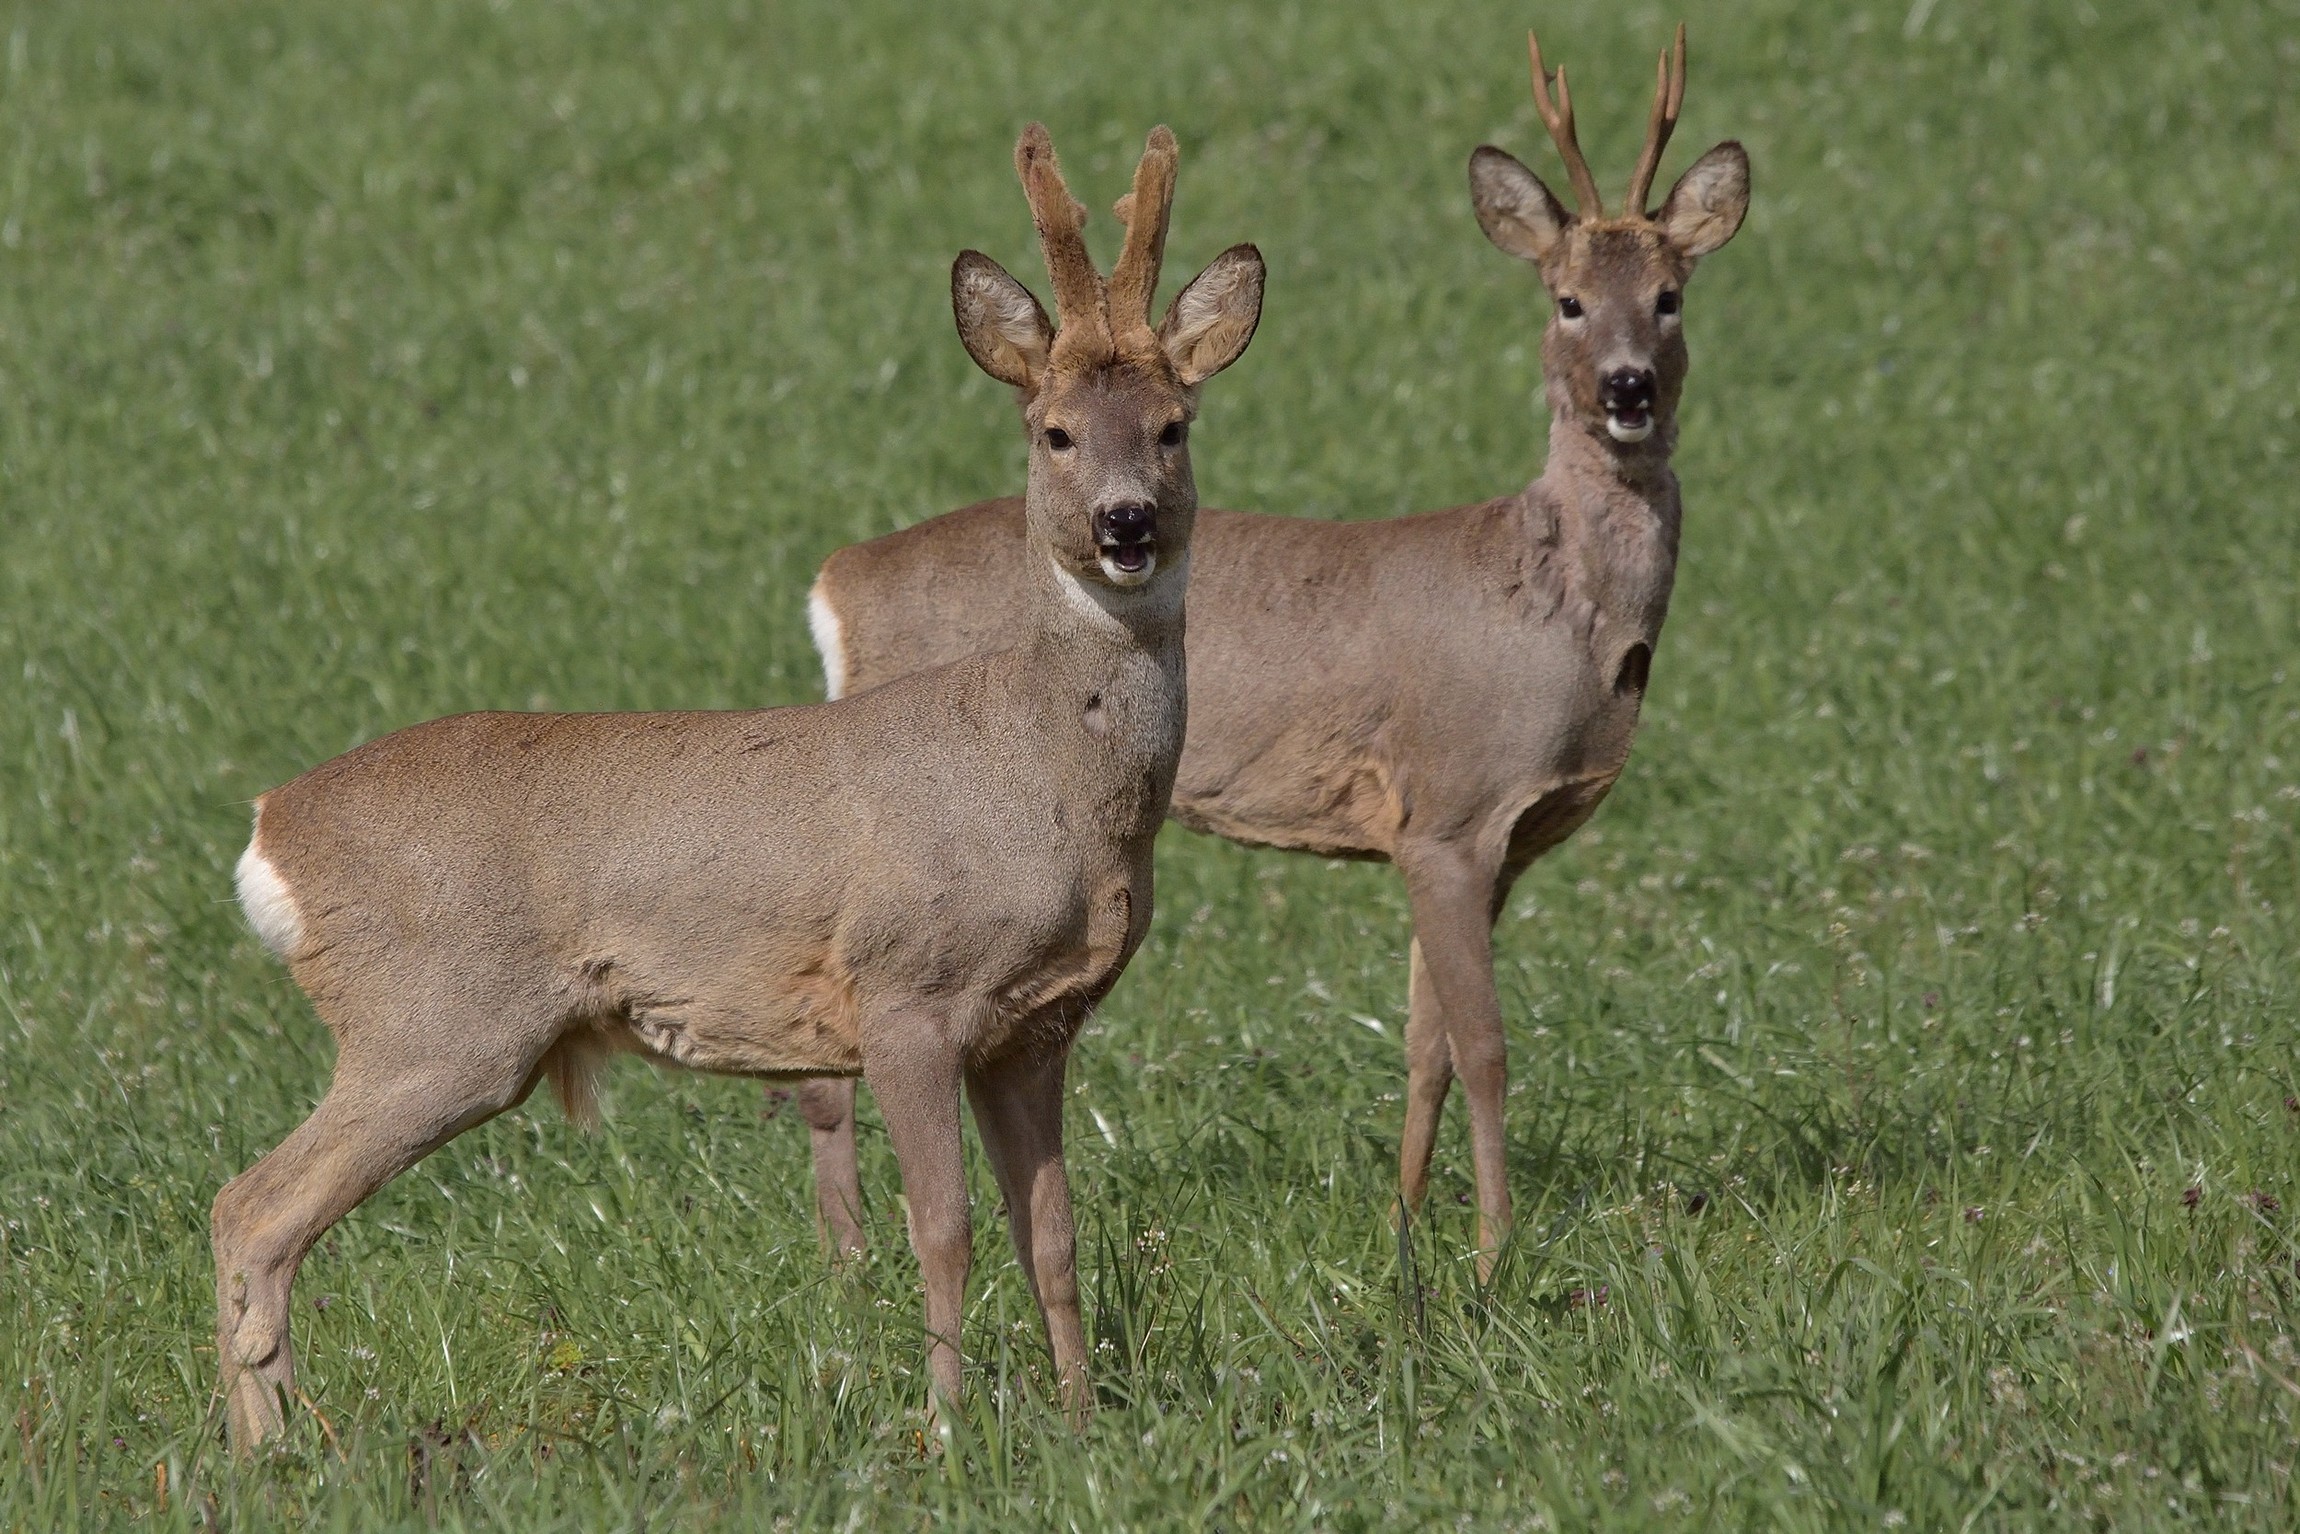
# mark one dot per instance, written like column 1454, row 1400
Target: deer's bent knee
column 256, row 1341
column 823, row 1104
column 942, row 1234
column 1478, row 1058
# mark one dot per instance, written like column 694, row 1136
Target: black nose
column 1627, row 389
column 1130, row 523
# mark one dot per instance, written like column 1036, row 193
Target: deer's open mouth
column 1128, row 561
column 1630, row 423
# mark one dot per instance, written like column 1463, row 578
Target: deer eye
column 1569, row 307
column 1172, row 435
column 1669, row 302
column 1058, row 439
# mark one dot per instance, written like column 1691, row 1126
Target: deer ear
column 1005, row 331
column 1514, row 209
column 1210, row 321
column 1706, row 206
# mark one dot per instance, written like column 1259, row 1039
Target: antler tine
column 1558, row 117
column 1668, row 96
column 1145, row 212
column 1061, row 221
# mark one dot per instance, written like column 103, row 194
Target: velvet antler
column 1078, row 291
column 1144, row 211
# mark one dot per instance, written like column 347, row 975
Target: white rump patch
column 830, row 641
column 264, row 895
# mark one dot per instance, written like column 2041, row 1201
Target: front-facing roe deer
column 930, row 886
column 1456, row 691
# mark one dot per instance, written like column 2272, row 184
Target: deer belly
column 801, row 1024
column 1331, row 802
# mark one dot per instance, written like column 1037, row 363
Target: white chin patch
column 1621, row 431
column 1126, row 578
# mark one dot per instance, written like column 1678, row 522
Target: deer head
column 1107, row 398
column 1613, row 352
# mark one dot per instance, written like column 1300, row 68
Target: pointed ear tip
column 1245, row 253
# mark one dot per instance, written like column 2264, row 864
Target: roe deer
column 1454, row 691
column 929, row 886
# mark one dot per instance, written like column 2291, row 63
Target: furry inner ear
column 1706, row 206
column 1514, row 209
column 1005, row 331
column 1210, row 321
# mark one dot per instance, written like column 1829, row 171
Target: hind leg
column 379, row 1117
column 827, row 1103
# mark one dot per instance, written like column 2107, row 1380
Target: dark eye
column 1570, row 308
column 1668, row 302
column 1172, row 435
column 1058, row 439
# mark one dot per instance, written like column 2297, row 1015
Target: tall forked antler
column 1061, row 221
column 1145, row 212
column 1668, row 96
column 1558, row 117
column 1096, row 316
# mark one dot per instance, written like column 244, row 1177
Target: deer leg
column 827, row 1103
column 914, row 1073
column 1429, row 1076
column 1452, row 898
column 1018, row 1110
column 373, row 1124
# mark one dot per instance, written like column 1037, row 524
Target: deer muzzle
column 1627, row 395
column 1126, row 539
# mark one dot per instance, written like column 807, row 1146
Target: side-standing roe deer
column 930, row 886
column 1455, row 691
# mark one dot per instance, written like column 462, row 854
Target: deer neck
column 1617, row 514
column 1113, row 659
column 1097, row 621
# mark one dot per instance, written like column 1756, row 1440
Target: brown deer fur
column 1455, row 691
column 929, row 886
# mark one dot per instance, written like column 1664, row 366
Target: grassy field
column 1908, row 1114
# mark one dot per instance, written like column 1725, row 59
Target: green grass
column 1906, row 1056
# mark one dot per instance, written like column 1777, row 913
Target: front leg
column 1452, row 896
column 912, row 1065
column 1018, row 1110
